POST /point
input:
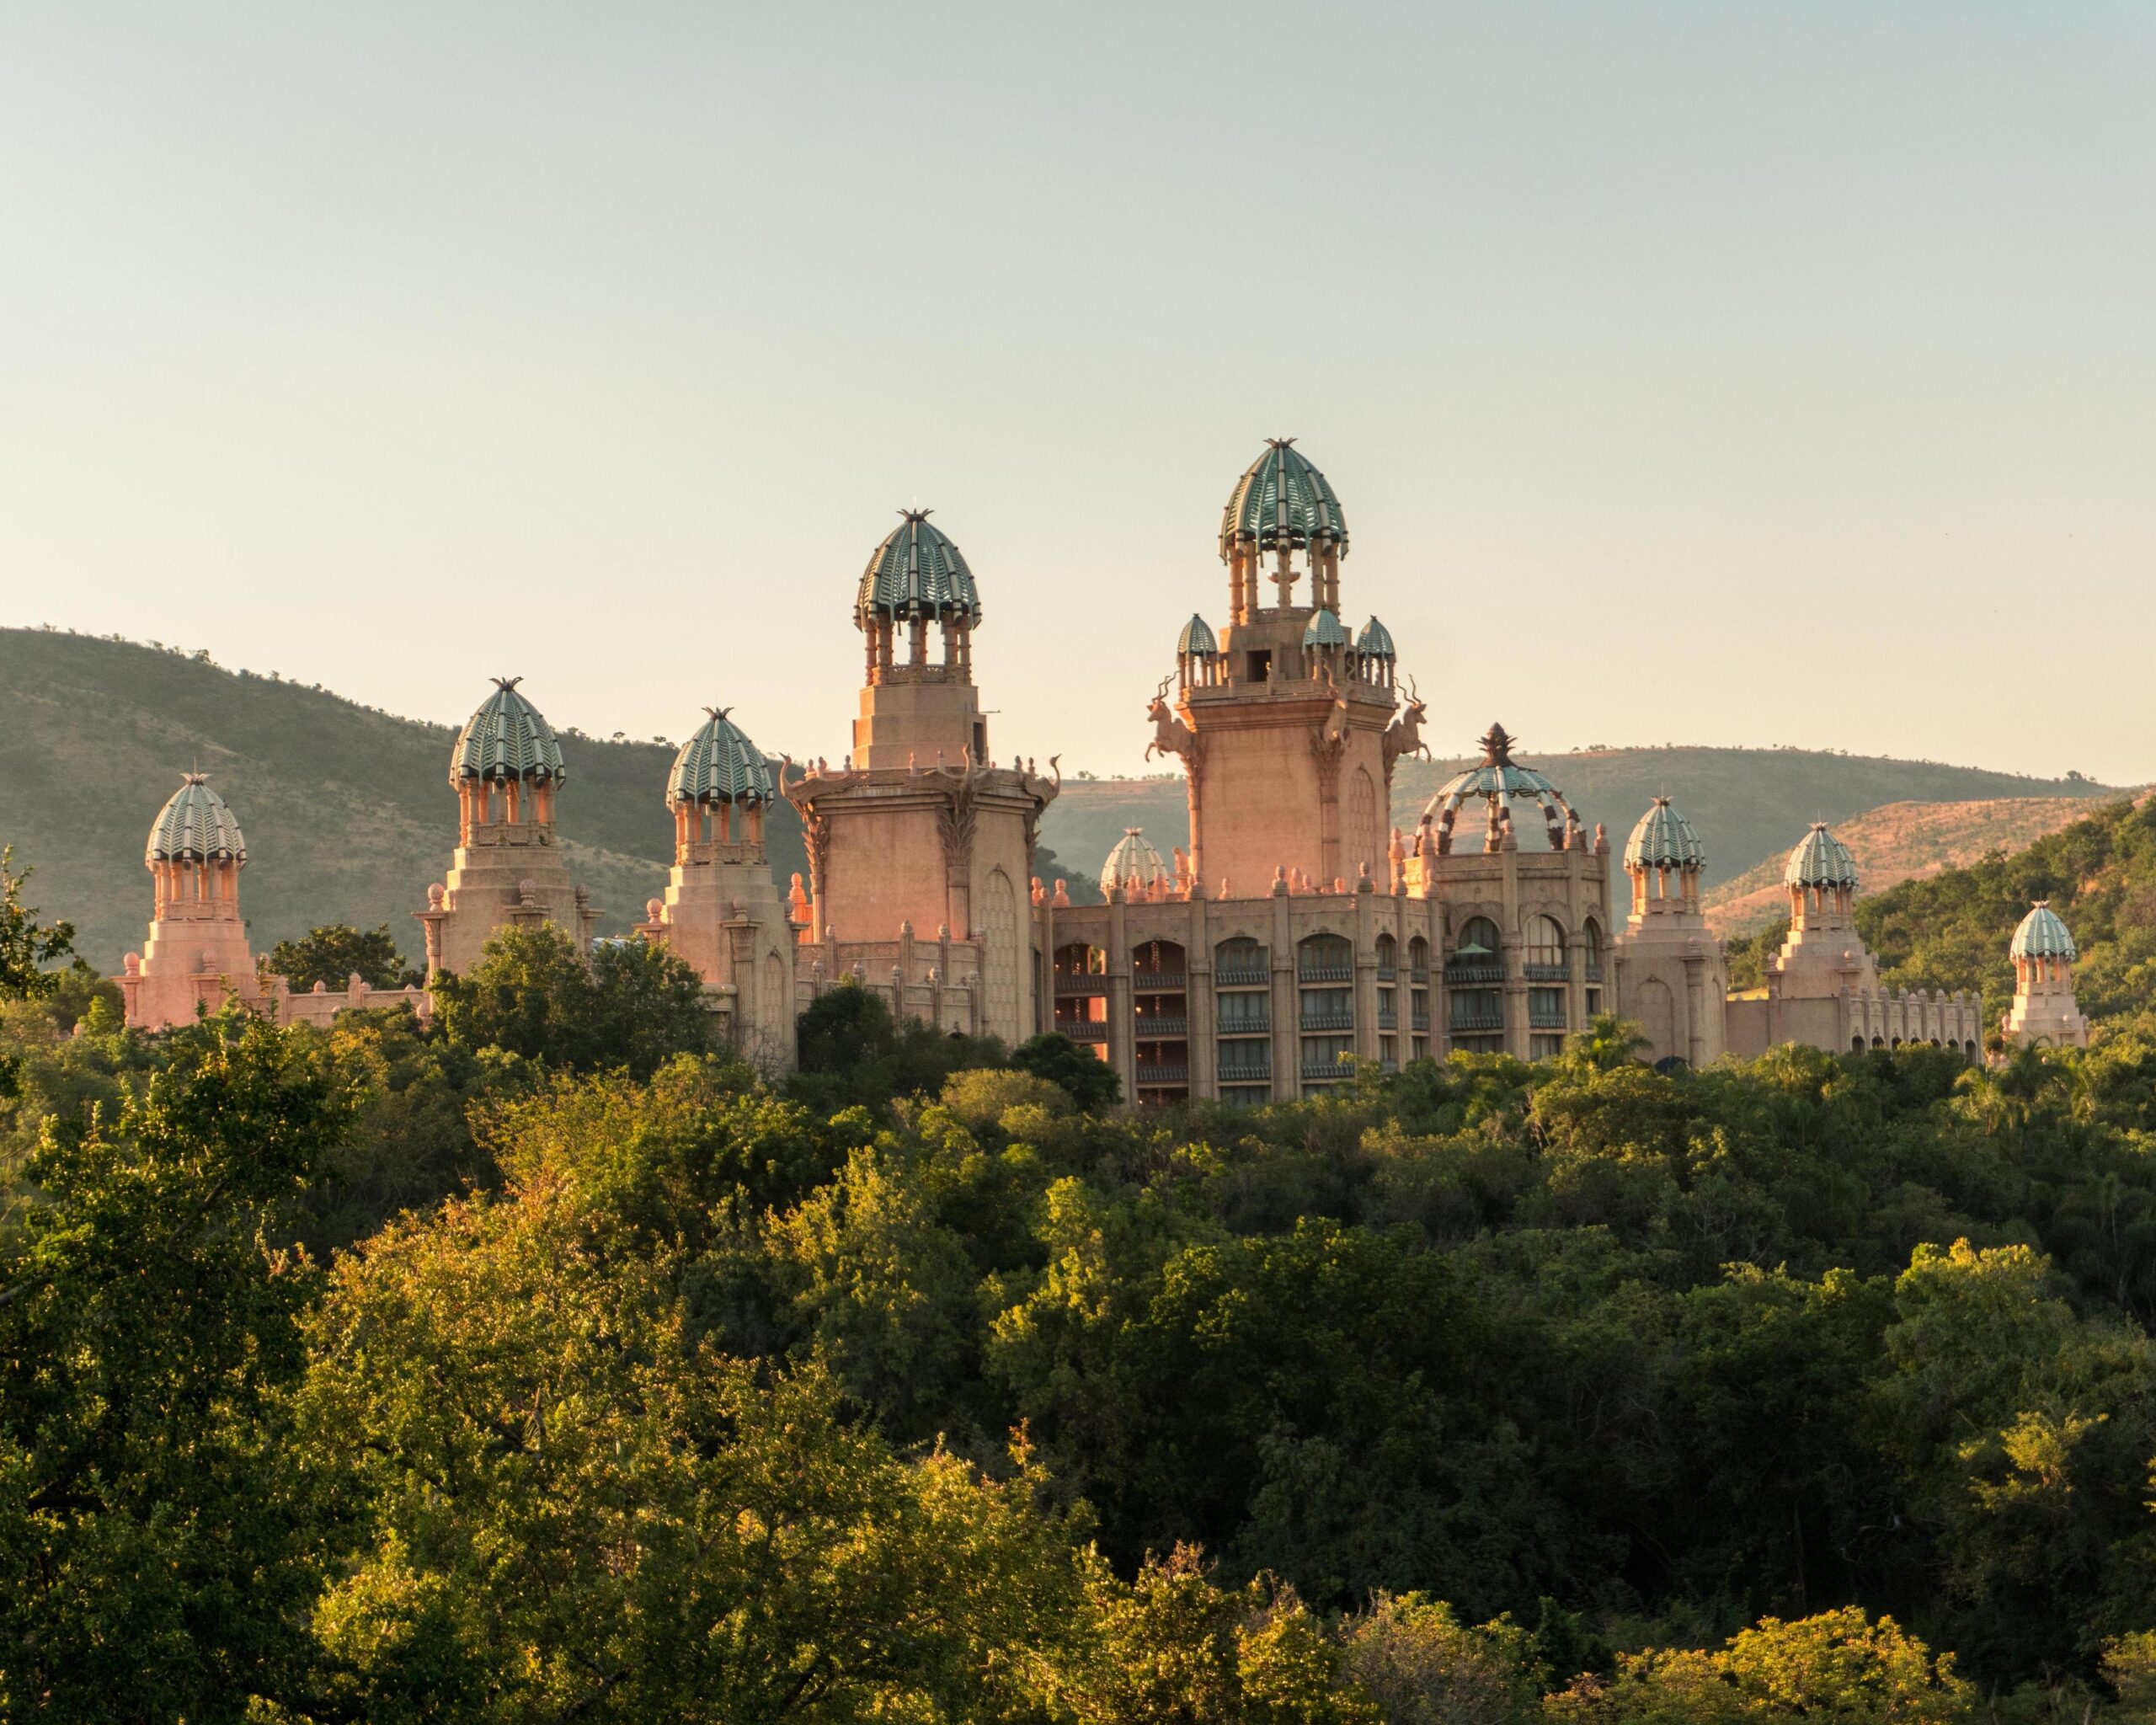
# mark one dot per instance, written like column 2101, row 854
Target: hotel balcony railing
column 1260, row 1073
column 1162, row 1027
column 1323, row 970
column 1420, row 1021
column 1065, row 984
column 1472, row 1019
column 1328, row 1018
column 1157, row 981
column 1326, row 1072
column 1476, row 971
column 1152, row 1077
column 1420, row 974
column 1388, row 972
column 1594, row 970
column 1546, row 973
column 1544, row 1020
column 1082, row 1029
column 1241, row 976
column 1388, row 1019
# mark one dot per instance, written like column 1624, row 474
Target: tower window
column 1259, row 665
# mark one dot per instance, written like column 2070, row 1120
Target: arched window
column 1388, row 957
column 1418, row 959
column 1546, row 945
column 1363, row 816
column 1241, row 962
column 1326, row 958
column 1591, row 938
column 1000, row 956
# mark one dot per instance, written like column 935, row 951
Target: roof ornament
column 507, row 682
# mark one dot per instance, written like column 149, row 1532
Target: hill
column 1747, row 804
column 1901, row 841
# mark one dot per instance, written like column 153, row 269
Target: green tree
column 332, row 955
column 633, row 1004
column 27, row 946
column 158, row 1536
column 1085, row 1078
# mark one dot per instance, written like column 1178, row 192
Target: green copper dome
column 2041, row 935
column 1820, row 859
column 195, row 827
column 917, row 572
column 1132, row 855
column 506, row 739
column 1324, row 630
column 718, row 765
column 1282, row 499
column 1498, row 775
column 1664, row 839
column 1196, row 639
column 1375, row 642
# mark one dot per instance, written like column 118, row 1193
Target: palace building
column 1303, row 930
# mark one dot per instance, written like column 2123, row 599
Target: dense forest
column 545, row 1363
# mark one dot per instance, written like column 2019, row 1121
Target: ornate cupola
column 1282, row 508
column 1197, row 653
column 1498, row 782
column 1375, row 656
column 504, row 768
column 508, row 869
column 1821, row 879
column 197, row 952
column 1134, row 866
column 2045, row 1014
column 916, row 577
column 719, row 787
column 1664, row 857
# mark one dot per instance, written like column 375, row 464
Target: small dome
column 1664, row 839
column 1324, row 630
column 1820, row 859
column 1497, row 776
column 718, row 765
column 1132, row 855
column 2041, row 935
column 1196, row 639
column 507, row 738
column 1376, row 641
column 1282, row 499
column 916, row 573
column 195, row 827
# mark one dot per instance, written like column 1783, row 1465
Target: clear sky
column 1706, row 373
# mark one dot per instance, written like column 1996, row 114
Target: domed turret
column 1324, row 630
column 916, row 574
column 1280, row 508
column 1821, row 860
column 1664, row 839
column 718, row 765
column 1197, row 640
column 195, row 827
column 2041, row 935
column 1375, row 642
column 1499, row 780
column 1133, row 856
column 508, row 739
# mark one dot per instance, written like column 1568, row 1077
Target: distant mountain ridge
column 348, row 815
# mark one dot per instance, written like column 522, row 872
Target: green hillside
column 1747, row 804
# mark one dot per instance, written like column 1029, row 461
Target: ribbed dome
column 916, row 573
column 1376, row 641
column 1324, row 630
column 1282, row 499
column 1196, row 638
column 1497, row 776
column 1664, row 839
column 1820, row 859
column 718, row 765
column 507, row 738
column 195, row 827
column 1132, row 855
column 2041, row 935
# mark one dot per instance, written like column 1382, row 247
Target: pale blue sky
column 1701, row 373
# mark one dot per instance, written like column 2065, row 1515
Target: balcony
column 1157, row 982
column 1420, row 1020
column 1546, row 973
column 1420, row 976
column 1594, row 970
column 1469, row 1019
column 1327, row 1072
column 1088, row 984
column 1163, row 1073
column 1328, row 1018
column 1476, row 971
column 1317, row 970
column 1082, row 1029
column 1162, row 1027
column 1388, row 1019
column 1388, row 972
column 1260, row 1073
column 1241, row 976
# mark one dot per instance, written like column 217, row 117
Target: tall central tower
column 1282, row 720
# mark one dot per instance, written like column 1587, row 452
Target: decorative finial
column 1279, row 442
column 717, row 712
column 1497, row 746
column 505, row 684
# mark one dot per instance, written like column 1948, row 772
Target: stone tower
column 920, row 851
column 722, row 914
column 1282, row 719
column 197, row 952
column 1670, row 978
column 508, row 869
column 2045, row 1014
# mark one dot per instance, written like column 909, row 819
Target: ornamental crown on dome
column 1282, row 499
column 1820, row 859
column 194, row 826
column 917, row 573
column 2042, row 935
column 718, row 764
column 507, row 738
column 1498, row 775
column 1132, row 855
column 1664, row 839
